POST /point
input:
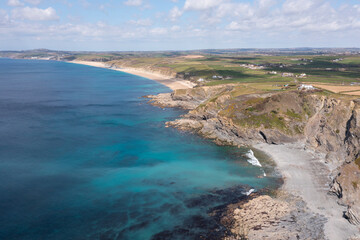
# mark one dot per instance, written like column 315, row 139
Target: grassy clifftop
column 258, row 68
column 250, row 107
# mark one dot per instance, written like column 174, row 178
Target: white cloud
column 34, row 2
column 201, row 4
column 133, row 2
column 4, row 17
column 141, row 22
column 236, row 26
column 266, row 3
column 357, row 7
column 175, row 28
column 293, row 6
column 158, row 31
column 266, row 15
column 15, row 3
column 242, row 10
column 35, row 14
column 262, row 23
column 175, row 13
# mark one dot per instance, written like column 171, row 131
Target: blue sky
column 124, row 25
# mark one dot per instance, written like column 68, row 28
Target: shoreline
column 306, row 176
column 172, row 83
column 302, row 205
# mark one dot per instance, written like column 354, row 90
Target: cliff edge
column 323, row 123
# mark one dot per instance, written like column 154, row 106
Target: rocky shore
column 264, row 217
column 312, row 136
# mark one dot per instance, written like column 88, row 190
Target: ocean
column 84, row 156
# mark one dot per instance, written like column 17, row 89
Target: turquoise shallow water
column 83, row 156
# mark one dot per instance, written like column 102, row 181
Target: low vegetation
column 335, row 70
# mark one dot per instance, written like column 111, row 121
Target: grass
column 291, row 113
column 319, row 68
column 254, row 101
column 242, row 90
column 268, row 121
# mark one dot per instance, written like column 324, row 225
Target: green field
column 323, row 67
column 317, row 68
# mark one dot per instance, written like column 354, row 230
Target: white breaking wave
column 252, row 159
column 248, row 192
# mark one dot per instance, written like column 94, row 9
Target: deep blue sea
column 84, row 156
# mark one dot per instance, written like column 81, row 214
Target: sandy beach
column 307, row 176
column 171, row 83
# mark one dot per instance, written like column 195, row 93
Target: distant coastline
column 172, row 83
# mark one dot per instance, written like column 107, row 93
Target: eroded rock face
column 233, row 115
column 166, row 100
column 263, row 117
column 187, row 98
column 267, row 218
column 347, row 186
column 352, row 134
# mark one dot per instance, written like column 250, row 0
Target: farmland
column 267, row 70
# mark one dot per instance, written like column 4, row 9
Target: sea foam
column 248, row 192
column 252, row 159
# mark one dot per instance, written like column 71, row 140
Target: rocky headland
column 314, row 138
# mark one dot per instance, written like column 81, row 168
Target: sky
column 146, row 25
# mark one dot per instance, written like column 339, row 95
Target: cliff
column 327, row 124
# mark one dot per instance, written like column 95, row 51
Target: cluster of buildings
column 221, row 77
column 252, row 66
column 260, row 67
column 302, row 59
column 215, row 77
column 337, row 60
column 286, row 74
column 305, row 87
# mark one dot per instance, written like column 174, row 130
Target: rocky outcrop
column 346, row 185
column 188, row 98
column 236, row 115
column 352, row 216
column 352, row 134
column 335, row 131
column 268, row 218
